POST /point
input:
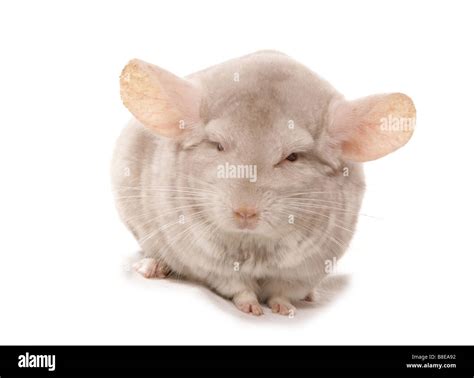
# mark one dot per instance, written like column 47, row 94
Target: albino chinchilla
column 246, row 176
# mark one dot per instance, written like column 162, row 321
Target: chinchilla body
column 170, row 195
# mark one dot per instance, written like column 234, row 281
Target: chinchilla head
column 262, row 138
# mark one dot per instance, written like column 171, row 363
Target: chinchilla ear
column 161, row 101
column 371, row 127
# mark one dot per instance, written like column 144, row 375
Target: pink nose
column 246, row 213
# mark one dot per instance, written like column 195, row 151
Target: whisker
column 324, row 232
column 322, row 206
column 163, row 227
column 291, row 194
column 167, row 189
column 291, row 207
column 155, row 196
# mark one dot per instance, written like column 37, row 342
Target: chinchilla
column 247, row 176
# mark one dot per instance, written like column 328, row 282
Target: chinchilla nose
column 246, row 213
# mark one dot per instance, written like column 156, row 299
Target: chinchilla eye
column 292, row 157
column 220, row 147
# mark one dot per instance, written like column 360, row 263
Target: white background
column 63, row 248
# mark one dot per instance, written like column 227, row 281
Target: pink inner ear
column 374, row 126
column 160, row 100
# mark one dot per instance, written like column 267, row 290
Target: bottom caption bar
column 237, row 361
